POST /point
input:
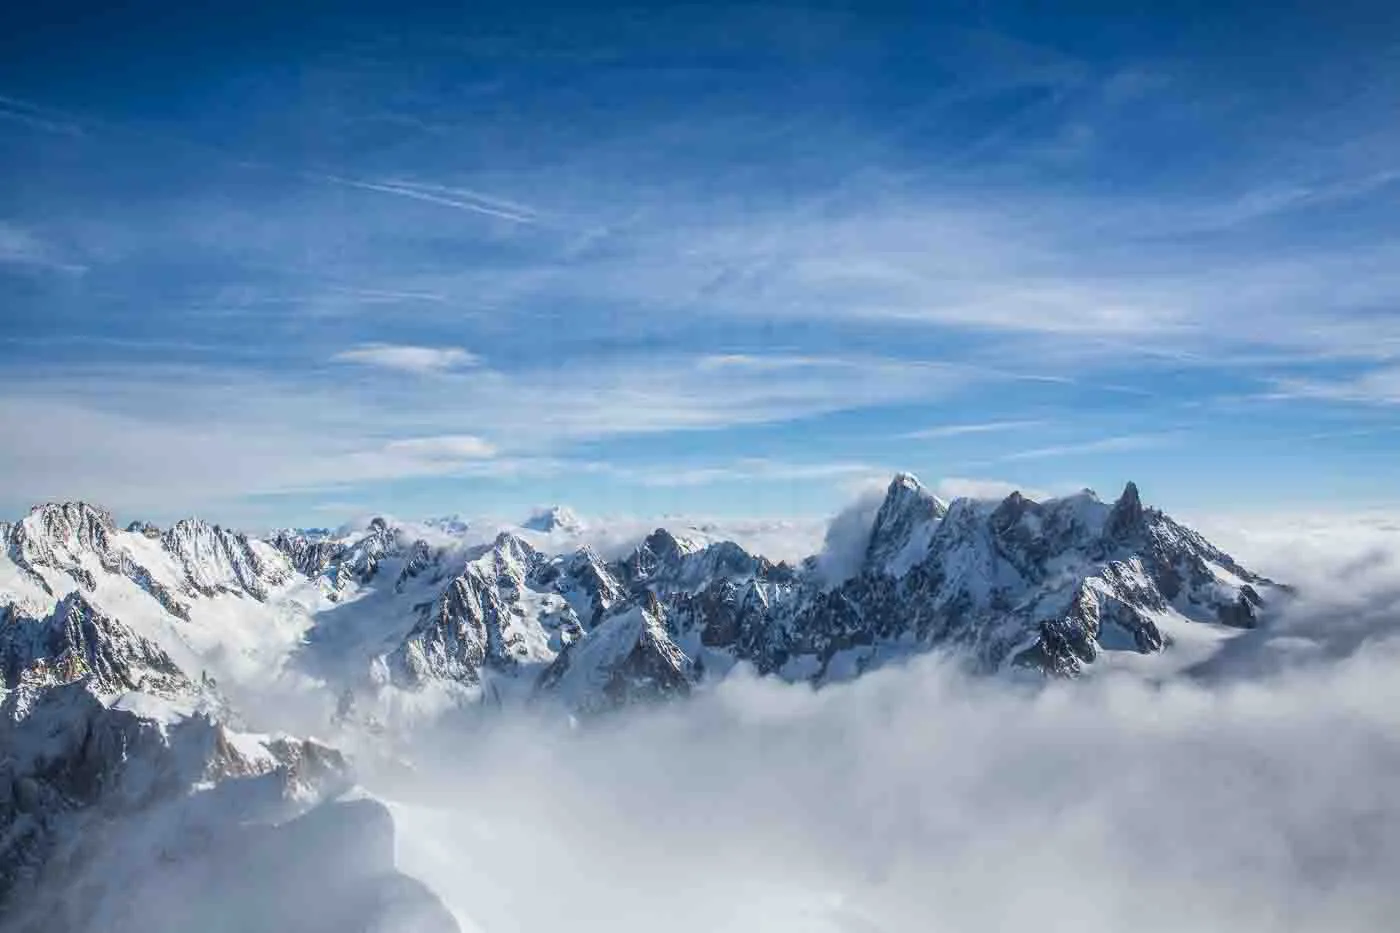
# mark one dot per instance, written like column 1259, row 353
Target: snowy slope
column 121, row 752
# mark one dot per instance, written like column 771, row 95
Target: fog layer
column 1261, row 797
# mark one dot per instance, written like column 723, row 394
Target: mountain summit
column 904, row 526
column 552, row 519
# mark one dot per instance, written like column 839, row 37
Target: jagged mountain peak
column 630, row 657
column 149, row 529
column 74, row 511
column 903, row 526
column 220, row 560
column 553, row 518
column 492, row 616
column 663, row 543
column 79, row 641
column 511, row 549
column 195, row 525
column 1127, row 515
column 68, row 524
column 976, row 573
column 905, row 480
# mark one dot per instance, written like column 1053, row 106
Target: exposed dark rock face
column 218, row 560
column 628, row 659
column 1017, row 583
column 1047, row 585
column 311, row 556
column 902, row 526
column 76, row 540
column 78, row 641
column 586, row 581
column 338, row 564
column 486, row 618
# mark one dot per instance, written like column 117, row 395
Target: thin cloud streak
column 958, row 430
column 448, row 447
column 38, row 117
column 457, row 202
column 409, row 359
column 748, row 471
column 1373, row 387
column 466, row 194
column 22, row 247
column 1120, row 444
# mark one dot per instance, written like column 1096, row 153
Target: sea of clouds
column 1255, row 793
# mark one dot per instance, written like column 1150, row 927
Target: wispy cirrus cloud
column 406, row 358
column 750, row 471
column 39, row 117
column 446, row 447
column 461, row 199
column 1379, row 386
column 984, row 427
column 1104, row 445
column 22, row 247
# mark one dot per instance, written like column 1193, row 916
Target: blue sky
column 280, row 267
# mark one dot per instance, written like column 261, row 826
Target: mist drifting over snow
column 915, row 800
column 848, row 535
column 1256, row 795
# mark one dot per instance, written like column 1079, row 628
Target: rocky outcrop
column 903, row 527
column 76, row 642
column 630, row 658
column 217, row 560
column 494, row 614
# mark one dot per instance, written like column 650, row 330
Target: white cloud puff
column 406, row 358
column 443, row 447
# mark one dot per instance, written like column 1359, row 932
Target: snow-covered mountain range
column 140, row 663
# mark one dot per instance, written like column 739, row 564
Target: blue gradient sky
column 277, row 267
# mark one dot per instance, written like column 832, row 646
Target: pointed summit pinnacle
column 1127, row 514
column 903, row 480
column 903, row 526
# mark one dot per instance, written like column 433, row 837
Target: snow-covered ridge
column 155, row 637
column 1052, row 585
column 113, row 730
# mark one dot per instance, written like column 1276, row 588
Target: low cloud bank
column 1346, row 572
column 1260, row 797
column 915, row 799
column 848, row 535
